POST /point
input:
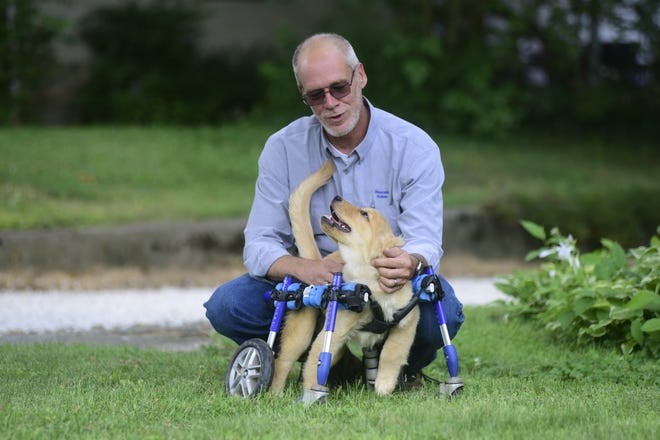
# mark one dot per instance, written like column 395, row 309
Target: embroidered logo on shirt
column 382, row 194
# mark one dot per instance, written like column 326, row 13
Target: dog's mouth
column 334, row 221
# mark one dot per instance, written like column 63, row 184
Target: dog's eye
column 364, row 214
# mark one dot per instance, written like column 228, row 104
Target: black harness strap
column 379, row 325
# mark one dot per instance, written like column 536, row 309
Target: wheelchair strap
column 379, row 325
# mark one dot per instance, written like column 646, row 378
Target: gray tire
column 250, row 370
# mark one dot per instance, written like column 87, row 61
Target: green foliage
column 456, row 84
column 281, row 101
column 147, row 68
column 610, row 296
column 25, row 57
column 460, row 67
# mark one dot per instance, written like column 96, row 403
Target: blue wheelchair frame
column 251, row 367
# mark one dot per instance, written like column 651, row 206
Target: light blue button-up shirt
column 396, row 169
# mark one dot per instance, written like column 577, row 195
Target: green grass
column 51, row 177
column 479, row 170
column 70, row 176
column 589, row 187
column 519, row 384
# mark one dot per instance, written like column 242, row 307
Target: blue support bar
column 451, row 356
column 325, row 358
column 280, row 308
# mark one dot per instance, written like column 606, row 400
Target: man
column 381, row 161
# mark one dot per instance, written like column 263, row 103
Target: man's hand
column 308, row 271
column 318, row 271
column 395, row 268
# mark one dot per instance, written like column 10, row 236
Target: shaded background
column 581, row 76
column 475, row 66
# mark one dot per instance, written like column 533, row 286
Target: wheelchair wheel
column 250, row 370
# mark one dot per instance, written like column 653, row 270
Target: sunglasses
column 337, row 90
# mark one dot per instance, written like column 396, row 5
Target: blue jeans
column 238, row 310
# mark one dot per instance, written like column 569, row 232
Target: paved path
column 124, row 315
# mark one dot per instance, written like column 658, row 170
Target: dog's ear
column 383, row 232
column 393, row 241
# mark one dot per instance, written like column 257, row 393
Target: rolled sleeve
column 420, row 220
column 268, row 232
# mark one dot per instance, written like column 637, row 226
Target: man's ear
column 362, row 74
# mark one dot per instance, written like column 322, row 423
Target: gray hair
column 337, row 40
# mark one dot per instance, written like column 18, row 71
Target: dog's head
column 362, row 232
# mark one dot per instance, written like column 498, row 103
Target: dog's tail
column 299, row 205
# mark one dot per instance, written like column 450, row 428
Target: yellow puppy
column 361, row 235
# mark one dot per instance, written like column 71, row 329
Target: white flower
column 575, row 262
column 566, row 251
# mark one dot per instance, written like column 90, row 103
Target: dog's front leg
column 296, row 337
column 394, row 353
column 344, row 324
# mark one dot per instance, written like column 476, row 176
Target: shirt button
column 346, row 171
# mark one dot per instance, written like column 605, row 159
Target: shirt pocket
column 388, row 204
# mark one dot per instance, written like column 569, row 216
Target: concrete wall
column 196, row 244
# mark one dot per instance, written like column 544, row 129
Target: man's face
column 321, row 69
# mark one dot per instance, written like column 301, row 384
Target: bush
column 25, row 57
column 147, row 68
column 608, row 296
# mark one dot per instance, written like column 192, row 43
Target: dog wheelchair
column 251, row 368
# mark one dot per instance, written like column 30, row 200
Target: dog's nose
column 337, row 199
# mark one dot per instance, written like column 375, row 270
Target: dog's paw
column 276, row 391
column 384, row 387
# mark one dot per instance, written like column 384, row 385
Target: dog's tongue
column 336, row 222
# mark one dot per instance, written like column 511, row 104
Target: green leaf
column 565, row 318
column 651, row 326
column 536, row 231
column 582, row 304
column 599, row 329
column 584, row 293
column 628, row 347
column 505, row 287
column 641, row 300
column 532, row 255
column 654, row 306
column 636, row 331
column 605, row 268
column 617, row 253
column 622, row 313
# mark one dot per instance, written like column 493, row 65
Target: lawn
column 52, row 177
column 86, row 176
column 519, row 384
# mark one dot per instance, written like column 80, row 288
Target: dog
column 361, row 235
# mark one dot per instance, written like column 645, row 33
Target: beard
column 352, row 122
